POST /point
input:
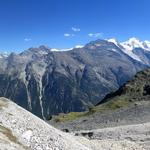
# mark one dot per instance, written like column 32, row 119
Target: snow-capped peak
column 132, row 43
column 133, row 40
column 67, row 49
column 4, row 55
column 129, row 45
column 79, row 46
column 113, row 41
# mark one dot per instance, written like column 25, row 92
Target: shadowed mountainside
column 128, row 105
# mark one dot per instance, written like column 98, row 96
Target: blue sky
column 66, row 23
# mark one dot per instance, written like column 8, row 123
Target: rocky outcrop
column 129, row 137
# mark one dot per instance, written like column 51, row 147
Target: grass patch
column 116, row 103
column 68, row 117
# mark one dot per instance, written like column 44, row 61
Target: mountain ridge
column 47, row 82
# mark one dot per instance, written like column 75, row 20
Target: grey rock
column 20, row 130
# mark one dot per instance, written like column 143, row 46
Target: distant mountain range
column 4, row 55
column 46, row 81
column 136, row 49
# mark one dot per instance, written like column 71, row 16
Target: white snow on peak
column 67, row 49
column 132, row 43
column 4, row 55
column 79, row 46
column 113, row 41
column 131, row 54
column 146, row 45
column 55, row 49
column 129, row 45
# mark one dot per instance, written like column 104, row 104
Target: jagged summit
column 41, row 50
column 132, row 43
column 113, row 40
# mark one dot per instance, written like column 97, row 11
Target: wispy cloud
column 95, row 35
column 27, row 39
column 76, row 29
column 68, row 35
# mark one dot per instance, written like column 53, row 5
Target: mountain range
column 48, row 81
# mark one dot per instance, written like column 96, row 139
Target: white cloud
column 90, row 34
column 76, row 29
column 95, row 35
column 68, row 35
column 27, row 39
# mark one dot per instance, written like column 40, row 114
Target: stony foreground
column 130, row 137
column 20, row 130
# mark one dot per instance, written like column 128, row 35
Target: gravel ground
column 20, row 130
column 137, row 113
column 129, row 136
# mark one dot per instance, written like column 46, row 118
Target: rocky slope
column 21, row 130
column 128, row 105
column 129, row 137
column 48, row 82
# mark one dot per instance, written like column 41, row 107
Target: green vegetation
column 111, row 105
column 68, row 117
column 115, row 103
column 137, row 89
